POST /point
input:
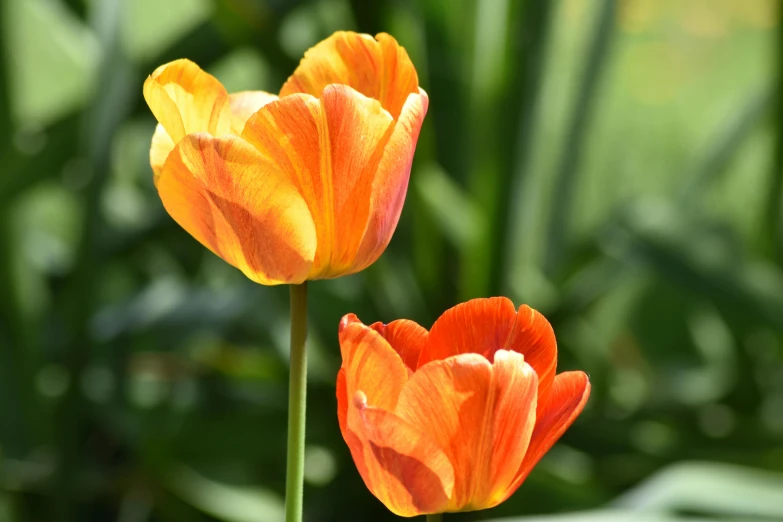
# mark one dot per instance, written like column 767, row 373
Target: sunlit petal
column 185, row 100
column 480, row 326
column 391, row 181
column 482, row 414
column 244, row 104
column 402, row 466
column 330, row 149
column 378, row 68
column 226, row 195
column 566, row 399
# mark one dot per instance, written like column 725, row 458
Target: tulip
column 301, row 186
column 453, row 419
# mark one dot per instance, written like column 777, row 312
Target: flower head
column 453, row 419
column 305, row 185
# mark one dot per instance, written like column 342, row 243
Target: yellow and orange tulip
column 453, row 419
column 305, row 185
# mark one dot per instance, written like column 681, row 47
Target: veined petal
column 378, row 68
column 406, row 337
column 185, row 100
column 566, row 400
column 399, row 464
column 479, row 326
column 233, row 201
column 244, row 104
column 370, row 365
column 391, row 181
column 515, row 386
column 482, row 414
column 532, row 335
column 330, row 149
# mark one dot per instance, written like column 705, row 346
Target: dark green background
column 615, row 164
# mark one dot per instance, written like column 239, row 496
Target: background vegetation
column 617, row 164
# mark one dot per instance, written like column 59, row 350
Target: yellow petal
column 330, row 148
column 378, row 68
column 185, row 99
column 232, row 200
column 244, row 104
column 161, row 146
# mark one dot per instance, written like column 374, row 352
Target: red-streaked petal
column 406, row 337
column 185, row 100
column 330, row 149
column 378, row 68
column 399, row 464
column 244, row 104
column 391, row 181
column 369, row 365
column 479, row 326
column 358, row 130
column 567, row 398
column 227, row 196
column 341, row 391
column 481, row 414
column 533, row 337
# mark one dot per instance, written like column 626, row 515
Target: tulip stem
column 297, row 399
column 435, row 518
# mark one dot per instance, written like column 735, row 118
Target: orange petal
column 391, row 181
column 567, row 398
column 479, row 326
column 406, row 337
column 379, row 69
column 161, row 147
column 232, row 200
column 244, row 104
column 482, row 414
column 399, row 464
column 370, row 365
column 533, row 337
column 341, row 391
column 330, row 150
column 185, row 99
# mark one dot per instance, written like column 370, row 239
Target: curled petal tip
column 346, row 320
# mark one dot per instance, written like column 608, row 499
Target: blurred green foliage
column 617, row 164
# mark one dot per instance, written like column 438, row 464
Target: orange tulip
column 307, row 185
column 453, row 419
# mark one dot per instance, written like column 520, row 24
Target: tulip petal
column 378, row 68
column 330, row 150
column 406, row 337
column 532, row 336
column 391, row 181
column 399, row 464
column 161, row 147
column 480, row 326
column 482, row 414
column 185, row 100
column 566, row 400
column 233, row 201
column 244, row 104
column 370, row 365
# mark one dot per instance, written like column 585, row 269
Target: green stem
column 297, row 399
column 435, row 518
